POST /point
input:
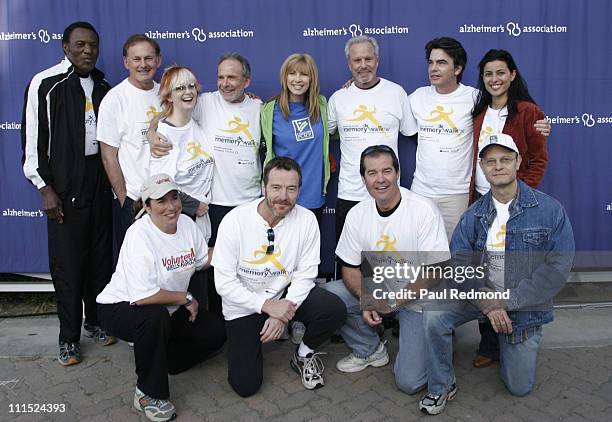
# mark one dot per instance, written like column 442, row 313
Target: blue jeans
column 409, row 369
column 517, row 361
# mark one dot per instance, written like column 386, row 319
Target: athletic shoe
column 434, row 404
column 297, row 332
column 352, row 363
column 98, row 335
column 310, row 369
column 69, row 353
column 154, row 409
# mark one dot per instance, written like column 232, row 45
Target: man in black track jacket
column 62, row 159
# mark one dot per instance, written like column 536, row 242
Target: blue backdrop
column 561, row 47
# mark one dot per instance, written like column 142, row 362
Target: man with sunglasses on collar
column 266, row 259
column 396, row 223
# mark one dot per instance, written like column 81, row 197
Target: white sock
column 304, row 350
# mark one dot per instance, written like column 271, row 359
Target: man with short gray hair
column 371, row 111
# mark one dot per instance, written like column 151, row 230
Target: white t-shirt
column 415, row 226
column 493, row 123
column 444, row 152
column 245, row 276
column 124, row 117
column 365, row 117
column 190, row 163
column 233, row 130
column 496, row 245
column 91, row 145
column 151, row 260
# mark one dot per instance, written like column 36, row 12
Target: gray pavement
column 574, row 381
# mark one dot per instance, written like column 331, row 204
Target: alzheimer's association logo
column 237, row 126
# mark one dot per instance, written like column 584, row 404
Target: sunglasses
column 376, row 148
column 270, row 248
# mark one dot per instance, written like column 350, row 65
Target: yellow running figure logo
column 439, row 114
column 500, row 234
column 151, row 113
column 271, row 258
column 195, row 149
column 485, row 132
column 239, row 126
column 88, row 104
column 362, row 113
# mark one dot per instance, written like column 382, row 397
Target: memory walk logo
column 41, row 35
column 200, row 35
column 355, row 30
column 585, row 119
column 513, row 29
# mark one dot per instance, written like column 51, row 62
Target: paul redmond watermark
column 446, row 294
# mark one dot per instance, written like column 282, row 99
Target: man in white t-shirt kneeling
column 394, row 220
column 266, row 259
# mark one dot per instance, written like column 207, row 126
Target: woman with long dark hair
column 504, row 105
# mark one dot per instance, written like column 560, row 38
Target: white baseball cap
column 500, row 139
column 155, row 187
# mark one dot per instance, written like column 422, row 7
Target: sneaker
column 98, row 335
column 310, row 369
column 69, row 353
column 352, row 363
column 297, row 332
column 434, row 404
column 154, row 409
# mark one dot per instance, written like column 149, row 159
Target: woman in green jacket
column 294, row 124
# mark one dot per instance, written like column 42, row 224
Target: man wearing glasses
column 393, row 220
column 265, row 260
column 525, row 239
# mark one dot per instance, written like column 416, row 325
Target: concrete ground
column 574, row 381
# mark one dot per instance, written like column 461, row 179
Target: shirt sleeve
column 408, row 124
column 138, row 268
column 348, row 249
column 307, row 269
column 332, row 116
column 108, row 130
column 200, row 245
column 537, row 152
column 225, row 261
column 35, row 133
column 168, row 163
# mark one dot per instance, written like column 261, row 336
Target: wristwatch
column 189, row 298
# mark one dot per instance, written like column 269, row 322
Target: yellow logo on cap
column 239, row 126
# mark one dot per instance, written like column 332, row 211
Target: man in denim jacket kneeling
column 524, row 240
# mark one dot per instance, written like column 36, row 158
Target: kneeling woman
column 147, row 302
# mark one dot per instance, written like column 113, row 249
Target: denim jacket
column 539, row 251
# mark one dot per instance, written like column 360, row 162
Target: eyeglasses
column 182, row 88
column 376, row 148
column 270, row 248
column 504, row 161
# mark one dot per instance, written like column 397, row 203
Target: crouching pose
column 147, row 301
column 265, row 261
column 524, row 238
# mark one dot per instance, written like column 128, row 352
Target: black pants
column 489, row 342
column 216, row 214
column 163, row 344
column 80, row 251
column 342, row 208
column 322, row 312
column 123, row 217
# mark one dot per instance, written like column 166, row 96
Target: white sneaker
column 154, row 409
column 352, row 363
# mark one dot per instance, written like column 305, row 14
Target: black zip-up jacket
column 53, row 129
